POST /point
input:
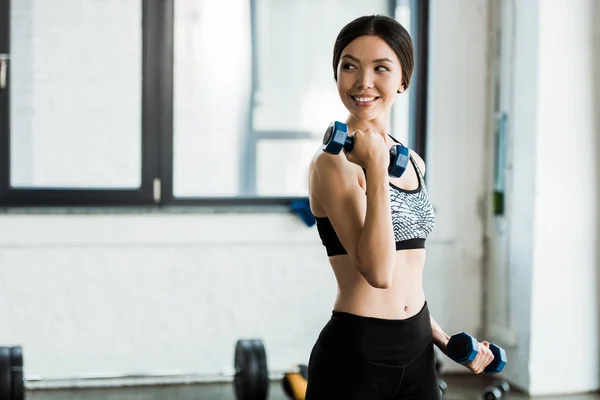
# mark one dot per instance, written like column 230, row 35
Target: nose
column 364, row 79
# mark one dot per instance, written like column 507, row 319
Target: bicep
column 344, row 202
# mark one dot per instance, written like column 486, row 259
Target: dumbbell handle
column 349, row 144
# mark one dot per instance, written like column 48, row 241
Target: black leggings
column 363, row 358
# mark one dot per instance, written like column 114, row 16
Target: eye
column 348, row 66
column 381, row 69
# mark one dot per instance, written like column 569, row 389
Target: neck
column 380, row 125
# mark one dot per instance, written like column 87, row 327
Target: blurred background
column 151, row 152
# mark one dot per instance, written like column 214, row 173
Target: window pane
column 212, row 83
column 217, row 153
column 282, row 166
column 296, row 90
column 75, row 106
column 401, row 110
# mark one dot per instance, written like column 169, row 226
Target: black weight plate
column 16, row 356
column 262, row 388
column 18, row 384
column 246, row 371
column 5, row 373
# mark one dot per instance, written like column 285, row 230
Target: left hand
column 483, row 358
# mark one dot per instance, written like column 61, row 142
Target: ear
column 401, row 90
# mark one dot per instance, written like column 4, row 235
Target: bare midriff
column 403, row 299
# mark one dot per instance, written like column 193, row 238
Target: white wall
column 456, row 163
column 113, row 294
column 564, row 293
column 120, row 293
column 553, row 197
column 522, row 19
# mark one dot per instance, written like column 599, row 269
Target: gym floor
column 459, row 388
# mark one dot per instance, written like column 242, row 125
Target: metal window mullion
column 5, row 99
column 164, row 60
column 152, row 106
column 418, row 102
column 249, row 145
column 284, row 135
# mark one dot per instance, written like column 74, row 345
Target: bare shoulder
column 330, row 176
column 418, row 160
column 325, row 168
column 321, row 166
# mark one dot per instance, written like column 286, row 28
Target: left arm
column 440, row 338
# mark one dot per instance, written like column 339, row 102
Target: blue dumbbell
column 462, row 348
column 336, row 138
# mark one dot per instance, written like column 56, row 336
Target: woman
column 379, row 341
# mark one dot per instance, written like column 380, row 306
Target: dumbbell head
column 496, row 391
column 462, row 348
column 399, row 156
column 251, row 381
column 502, row 385
column 498, row 362
column 492, row 393
column 443, row 386
column 336, row 138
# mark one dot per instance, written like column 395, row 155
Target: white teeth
column 363, row 99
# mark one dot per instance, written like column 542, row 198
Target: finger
column 488, row 359
column 477, row 365
column 482, row 360
column 486, row 355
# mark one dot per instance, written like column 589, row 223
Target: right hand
column 370, row 149
column 483, row 358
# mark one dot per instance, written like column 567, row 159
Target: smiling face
column 369, row 75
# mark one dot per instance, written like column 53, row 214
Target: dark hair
column 388, row 29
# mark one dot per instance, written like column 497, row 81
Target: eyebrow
column 375, row 61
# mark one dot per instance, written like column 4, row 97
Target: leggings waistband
column 385, row 341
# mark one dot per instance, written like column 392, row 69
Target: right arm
column 362, row 223
column 376, row 247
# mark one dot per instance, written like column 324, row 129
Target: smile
column 364, row 101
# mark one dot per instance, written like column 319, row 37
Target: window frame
column 156, row 187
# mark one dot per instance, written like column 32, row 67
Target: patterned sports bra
column 413, row 219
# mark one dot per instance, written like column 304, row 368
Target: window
column 76, row 110
column 172, row 102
